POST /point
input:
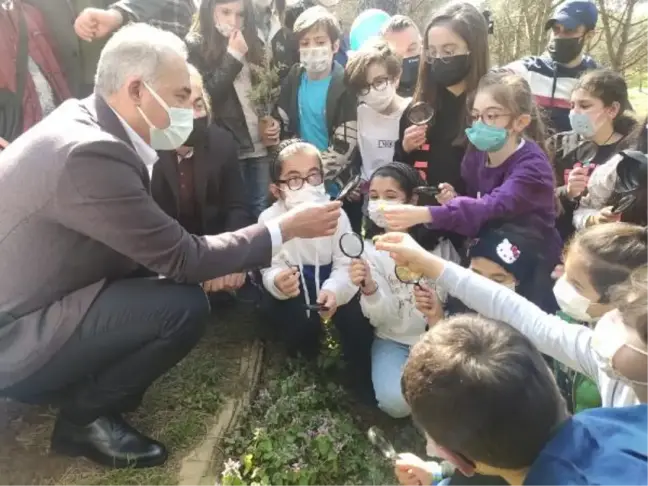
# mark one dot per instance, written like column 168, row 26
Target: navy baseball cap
column 573, row 13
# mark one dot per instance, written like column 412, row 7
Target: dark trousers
column 303, row 335
column 134, row 332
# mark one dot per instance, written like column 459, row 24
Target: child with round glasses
column 308, row 280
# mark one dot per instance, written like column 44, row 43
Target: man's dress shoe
column 110, row 441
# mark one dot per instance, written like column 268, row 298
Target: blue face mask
column 487, row 138
column 582, row 124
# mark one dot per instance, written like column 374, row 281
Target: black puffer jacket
column 219, row 84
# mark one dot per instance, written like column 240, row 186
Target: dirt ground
column 176, row 410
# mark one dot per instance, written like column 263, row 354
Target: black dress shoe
column 110, row 441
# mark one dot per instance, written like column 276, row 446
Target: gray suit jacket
column 76, row 212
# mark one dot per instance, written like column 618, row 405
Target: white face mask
column 379, row 100
column 179, row 129
column 316, row 59
column 307, row 194
column 376, row 213
column 225, row 29
column 610, row 335
column 571, row 302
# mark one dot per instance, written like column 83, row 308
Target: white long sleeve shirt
column 571, row 344
column 314, row 251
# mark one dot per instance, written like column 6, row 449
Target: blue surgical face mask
column 487, row 138
column 582, row 124
column 181, row 122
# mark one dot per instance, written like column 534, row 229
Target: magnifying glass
column 624, row 204
column 352, row 245
column 350, row 186
column 407, row 276
column 420, row 113
column 378, row 439
column 426, row 190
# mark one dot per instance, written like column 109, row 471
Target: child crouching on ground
column 306, row 274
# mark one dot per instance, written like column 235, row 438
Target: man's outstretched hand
column 310, row 220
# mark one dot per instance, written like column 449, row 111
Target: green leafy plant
column 300, row 431
column 265, row 90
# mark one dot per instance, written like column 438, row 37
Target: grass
column 177, row 410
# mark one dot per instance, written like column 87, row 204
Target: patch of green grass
column 639, row 101
column 177, row 410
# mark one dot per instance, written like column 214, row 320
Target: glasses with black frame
column 379, row 84
column 489, row 117
column 295, row 183
column 431, row 55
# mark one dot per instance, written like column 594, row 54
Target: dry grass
column 177, row 411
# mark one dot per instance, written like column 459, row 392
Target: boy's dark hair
column 288, row 148
column 610, row 87
column 397, row 23
column 376, row 51
column 613, row 251
column 468, row 23
column 317, row 17
column 481, row 389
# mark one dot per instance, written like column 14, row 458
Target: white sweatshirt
column 600, row 188
column 316, row 252
column 571, row 344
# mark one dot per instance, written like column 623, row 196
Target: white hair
column 135, row 50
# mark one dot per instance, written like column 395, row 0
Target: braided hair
column 408, row 179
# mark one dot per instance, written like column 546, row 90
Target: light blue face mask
column 582, row 124
column 487, row 138
column 179, row 129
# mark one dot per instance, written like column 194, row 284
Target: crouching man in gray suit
column 78, row 328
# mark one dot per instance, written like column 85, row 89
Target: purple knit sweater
column 519, row 190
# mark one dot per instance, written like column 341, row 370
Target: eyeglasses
column 445, row 58
column 296, row 183
column 379, row 84
column 489, row 117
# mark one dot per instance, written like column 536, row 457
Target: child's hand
column 412, row 470
column 287, row 282
column 271, row 131
column 401, row 217
column 577, row 181
column 329, row 302
column 446, row 193
column 605, row 215
column 237, row 43
column 414, row 137
column 428, row 303
column 408, row 253
column 360, row 274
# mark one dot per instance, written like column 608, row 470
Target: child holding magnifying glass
column 387, row 302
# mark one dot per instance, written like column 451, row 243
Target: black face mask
column 409, row 75
column 452, row 70
column 564, row 51
column 198, row 133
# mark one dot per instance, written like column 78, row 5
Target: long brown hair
column 609, row 87
column 514, row 93
column 212, row 43
column 469, row 24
